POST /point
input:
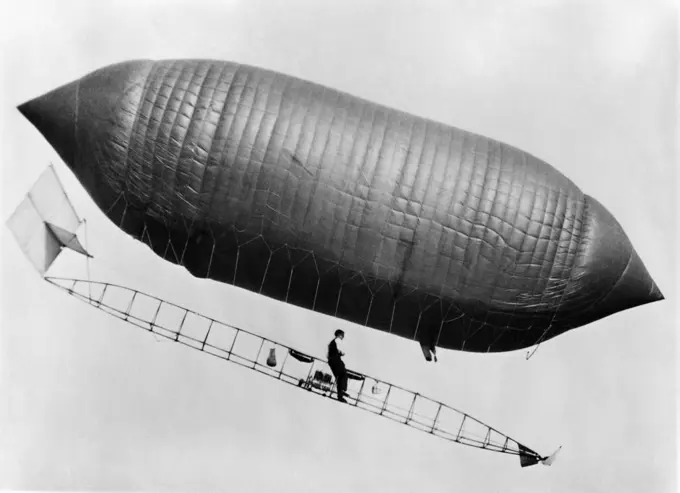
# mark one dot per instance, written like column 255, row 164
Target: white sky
column 90, row 403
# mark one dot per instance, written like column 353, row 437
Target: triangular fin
column 45, row 222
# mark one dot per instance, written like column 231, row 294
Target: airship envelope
column 329, row 202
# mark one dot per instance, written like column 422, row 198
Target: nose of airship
column 611, row 272
column 54, row 115
column 89, row 118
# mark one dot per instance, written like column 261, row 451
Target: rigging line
column 87, row 258
column 529, row 354
column 64, row 192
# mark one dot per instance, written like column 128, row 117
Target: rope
column 87, row 259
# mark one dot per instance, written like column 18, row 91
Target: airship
column 320, row 199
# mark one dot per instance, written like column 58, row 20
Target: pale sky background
column 88, row 402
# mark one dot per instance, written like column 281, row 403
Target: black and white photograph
column 339, row 246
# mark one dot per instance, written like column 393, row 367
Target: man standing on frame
column 336, row 351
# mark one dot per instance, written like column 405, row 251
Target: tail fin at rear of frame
column 45, row 223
